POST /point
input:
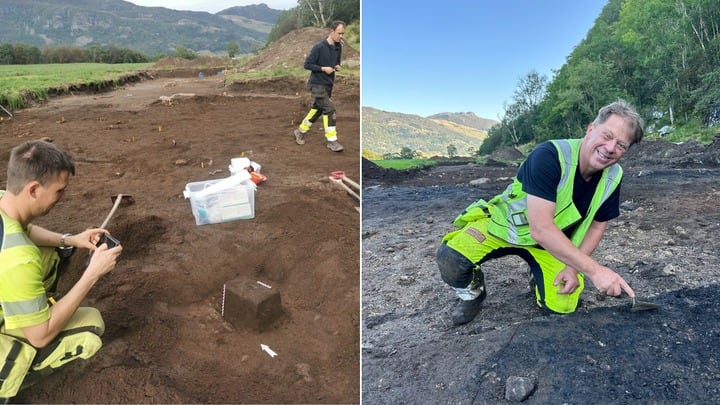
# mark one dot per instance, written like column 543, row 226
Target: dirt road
column 166, row 341
column 664, row 244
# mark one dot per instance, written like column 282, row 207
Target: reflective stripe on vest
column 509, row 220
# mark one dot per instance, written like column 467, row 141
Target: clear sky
column 425, row 58
column 213, row 6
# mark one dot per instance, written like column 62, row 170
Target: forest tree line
column 315, row 13
column 21, row 54
column 663, row 56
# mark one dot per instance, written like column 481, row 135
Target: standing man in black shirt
column 323, row 61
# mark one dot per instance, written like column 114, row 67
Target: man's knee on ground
column 79, row 339
column 455, row 269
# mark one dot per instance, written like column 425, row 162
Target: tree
column 708, row 98
column 288, row 21
column 530, row 91
column 452, row 150
column 347, row 10
column 318, row 12
column 406, row 153
column 232, row 49
column 6, row 54
column 517, row 125
column 25, row 54
column 182, row 52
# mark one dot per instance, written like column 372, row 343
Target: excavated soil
column 664, row 244
column 166, row 341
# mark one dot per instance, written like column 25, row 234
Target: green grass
column 17, row 81
column 284, row 71
column 403, row 164
column 267, row 74
column 690, row 130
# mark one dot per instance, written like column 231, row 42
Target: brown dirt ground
column 165, row 340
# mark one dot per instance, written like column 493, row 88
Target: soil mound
column 182, row 63
column 291, row 49
column 661, row 153
column 373, row 174
column 506, row 154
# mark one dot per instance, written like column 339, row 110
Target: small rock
column 303, row 370
column 681, row 232
column 480, row 181
column 518, row 389
column 406, row 280
column 150, row 390
column 181, row 162
column 628, row 206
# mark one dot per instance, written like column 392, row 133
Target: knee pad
column 455, row 269
column 80, row 339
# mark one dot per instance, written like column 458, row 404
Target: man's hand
column 337, row 68
column 86, row 239
column 568, row 280
column 103, row 260
column 328, row 70
column 610, row 283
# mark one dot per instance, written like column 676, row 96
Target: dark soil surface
column 166, row 341
column 664, row 244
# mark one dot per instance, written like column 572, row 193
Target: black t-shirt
column 540, row 175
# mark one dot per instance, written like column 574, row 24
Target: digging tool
column 6, row 111
column 349, row 190
column 340, row 175
column 636, row 305
column 117, row 200
column 340, row 179
column 109, row 239
column 642, row 305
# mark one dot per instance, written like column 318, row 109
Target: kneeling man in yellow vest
column 553, row 216
column 39, row 334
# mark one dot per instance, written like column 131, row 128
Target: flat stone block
column 251, row 305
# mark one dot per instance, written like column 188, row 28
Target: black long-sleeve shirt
column 322, row 54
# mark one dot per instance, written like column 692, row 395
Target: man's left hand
column 568, row 280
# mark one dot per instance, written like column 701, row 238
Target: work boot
column 334, row 146
column 299, row 137
column 468, row 309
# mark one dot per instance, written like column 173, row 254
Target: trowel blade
column 643, row 306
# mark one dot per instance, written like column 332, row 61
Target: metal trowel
column 642, row 305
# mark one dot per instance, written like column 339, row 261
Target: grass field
column 19, row 81
column 403, row 164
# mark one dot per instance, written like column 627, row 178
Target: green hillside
column 387, row 132
column 151, row 30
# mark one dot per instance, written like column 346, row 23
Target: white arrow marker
column 267, row 349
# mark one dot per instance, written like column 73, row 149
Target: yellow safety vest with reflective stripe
column 22, row 291
column 509, row 220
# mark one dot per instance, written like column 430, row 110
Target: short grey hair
column 628, row 113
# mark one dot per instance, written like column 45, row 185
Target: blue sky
column 425, row 58
column 213, row 6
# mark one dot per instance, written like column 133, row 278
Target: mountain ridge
column 388, row 132
column 151, row 30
